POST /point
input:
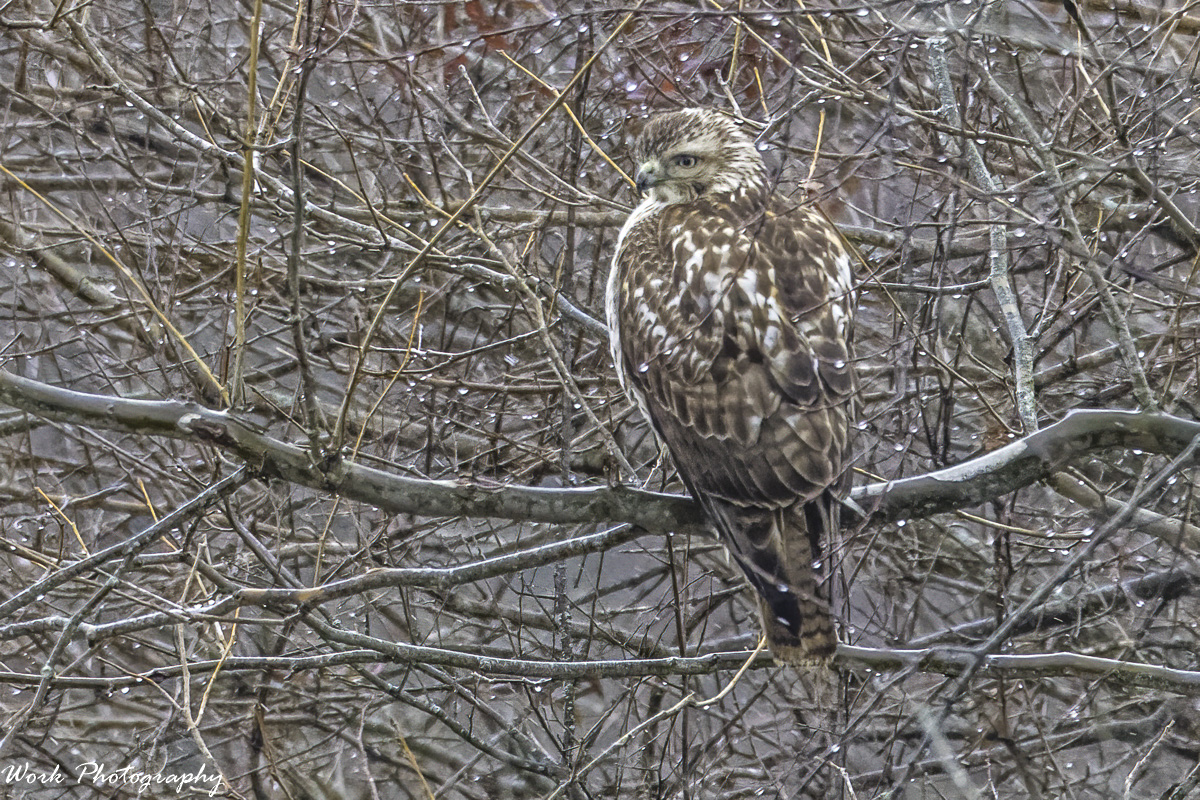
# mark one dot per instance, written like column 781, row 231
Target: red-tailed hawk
column 730, row 312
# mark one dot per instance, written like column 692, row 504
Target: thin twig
column 999, row 272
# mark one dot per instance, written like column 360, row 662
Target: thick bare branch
column 987, row 477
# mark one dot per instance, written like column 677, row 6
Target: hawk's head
column 697, row 151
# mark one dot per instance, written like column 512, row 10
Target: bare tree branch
column 1024, row 462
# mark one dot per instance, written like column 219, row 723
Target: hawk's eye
column 685, row 161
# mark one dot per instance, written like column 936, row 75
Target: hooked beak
column 647, row 176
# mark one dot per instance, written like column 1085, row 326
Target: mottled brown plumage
column 730, row 312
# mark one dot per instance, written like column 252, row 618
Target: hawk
column 730, row 310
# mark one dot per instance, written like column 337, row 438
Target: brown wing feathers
column 732, row 334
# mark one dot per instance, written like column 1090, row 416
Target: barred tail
column 779, row 550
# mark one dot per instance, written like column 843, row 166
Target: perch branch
column 1022, row 463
